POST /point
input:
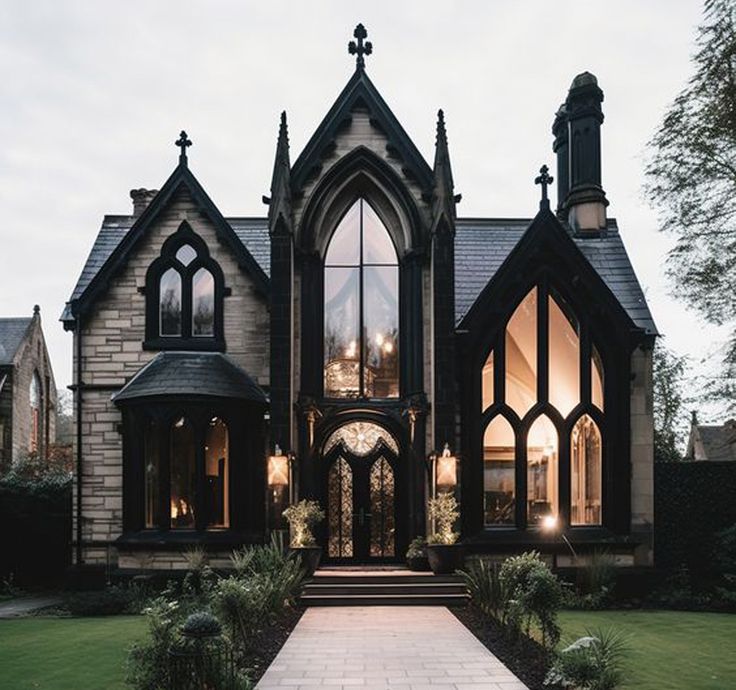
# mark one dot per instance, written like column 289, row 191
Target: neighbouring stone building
column 336, row 347
column 27, row 390
column 715, row 442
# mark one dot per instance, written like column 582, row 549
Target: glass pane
column 35, row 392
column 340, row 510
column 596, row 379
column 216, row 458
column 377, row 245
column 186, row 254
column 344, row 247
column 381, row 323
column 152, row 461
column 170, row 303
column 342, row 348
column 487, row 383
column 383, row 526
column 203, row 303
column 586, row 473
column 564, row 358
column 521, row 356
column 542, row 471
column 182, row 474
column 360, row 438
column 499, row 476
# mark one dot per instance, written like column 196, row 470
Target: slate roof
column 206, row 374
column 719, row 442
column 12, row 333
column 481, row 246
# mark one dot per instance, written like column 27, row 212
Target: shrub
column 301, row 516
column 443, row 510
column 532, row 593
column 593, row 662
column 417, row 548
column 201, row 624
column 105, row 602
column 484, row 586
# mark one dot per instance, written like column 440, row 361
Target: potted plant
column 416, row 555
column 444, row 553
column 301, row 517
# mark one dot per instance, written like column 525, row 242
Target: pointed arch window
column 361, row 308
column 35, row 394
column 542, row 392
column 184, row 296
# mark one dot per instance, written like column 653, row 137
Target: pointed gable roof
column 360, row 92
column 12, row 334
column 118, row 255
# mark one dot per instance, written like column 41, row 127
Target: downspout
column 79, row 560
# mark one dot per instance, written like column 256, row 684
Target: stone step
column 360, row 588
column 384, row 600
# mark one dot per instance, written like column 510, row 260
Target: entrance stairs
column 351, row 586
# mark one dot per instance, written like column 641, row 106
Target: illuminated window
column 183, row 477
column 499, row 472
column 216, row 457
column 361, row 321
column 596, row 375
column 586, row 473
column 487, row 383
column 564, row 357
column 542, row 470
column 521, row 356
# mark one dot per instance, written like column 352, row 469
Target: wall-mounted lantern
column 278, row 470
column 279, row 480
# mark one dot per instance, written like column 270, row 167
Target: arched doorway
column 360, row 476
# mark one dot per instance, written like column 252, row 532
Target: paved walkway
column 20, row 607
column 395, row 648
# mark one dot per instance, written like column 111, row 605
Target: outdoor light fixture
column 550, row 524
column 446, row 469
column 278, row 469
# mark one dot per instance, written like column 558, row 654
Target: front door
column 360, row 496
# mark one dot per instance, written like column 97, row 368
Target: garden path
column 390, row 647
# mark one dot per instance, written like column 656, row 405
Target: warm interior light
column 446, row 469
column 278, row 469
column 549, row 523
column 351, row 349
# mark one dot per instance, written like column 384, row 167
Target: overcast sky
column 93, row 94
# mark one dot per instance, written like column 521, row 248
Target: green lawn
column 670, row 650
column 66, row 653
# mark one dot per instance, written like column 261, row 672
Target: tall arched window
column 182, row 461
column 543, row 377
column 361, row 308
column 184, row 291
column 36, row 397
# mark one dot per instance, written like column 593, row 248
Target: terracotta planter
column 418, row 564
column 445, row 559
column 309, row 556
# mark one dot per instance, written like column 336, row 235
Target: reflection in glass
column 487, row 383
column 361, row 287
column 170, row 303
column 340, row 510
column 342, row 325
column 186, row 254
column 596, row 378
column 383, row 527
column 521, row 356
column 542, row 470
column 152, row 463
column 203, row 303
column 217, row 454
column 381, row 324
column 499, row 475
column 586, row 473
column 564, row 357
column 182, row 469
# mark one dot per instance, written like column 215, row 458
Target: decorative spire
column 360, row 49
column 280, row 201
column 444, row 196
column 183, row 142
column 545, row 179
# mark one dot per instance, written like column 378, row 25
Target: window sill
column 185, row 344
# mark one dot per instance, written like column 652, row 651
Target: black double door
column 360, row 502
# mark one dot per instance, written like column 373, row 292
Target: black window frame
column 167, row 259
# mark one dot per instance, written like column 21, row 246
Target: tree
column 691, row 181
column 670, row 414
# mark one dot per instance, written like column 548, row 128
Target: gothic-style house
column 333, row 349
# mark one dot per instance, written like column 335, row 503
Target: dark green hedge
column 692, row 502
column 35, row 532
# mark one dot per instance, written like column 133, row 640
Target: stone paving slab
column 20, row 607
column 387, row 648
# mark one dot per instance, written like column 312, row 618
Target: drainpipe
column 79, row 442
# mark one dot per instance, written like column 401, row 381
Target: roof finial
column 360, row 49
column 182, row 142
column 544, row 178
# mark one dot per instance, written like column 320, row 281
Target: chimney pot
column 141, row 198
